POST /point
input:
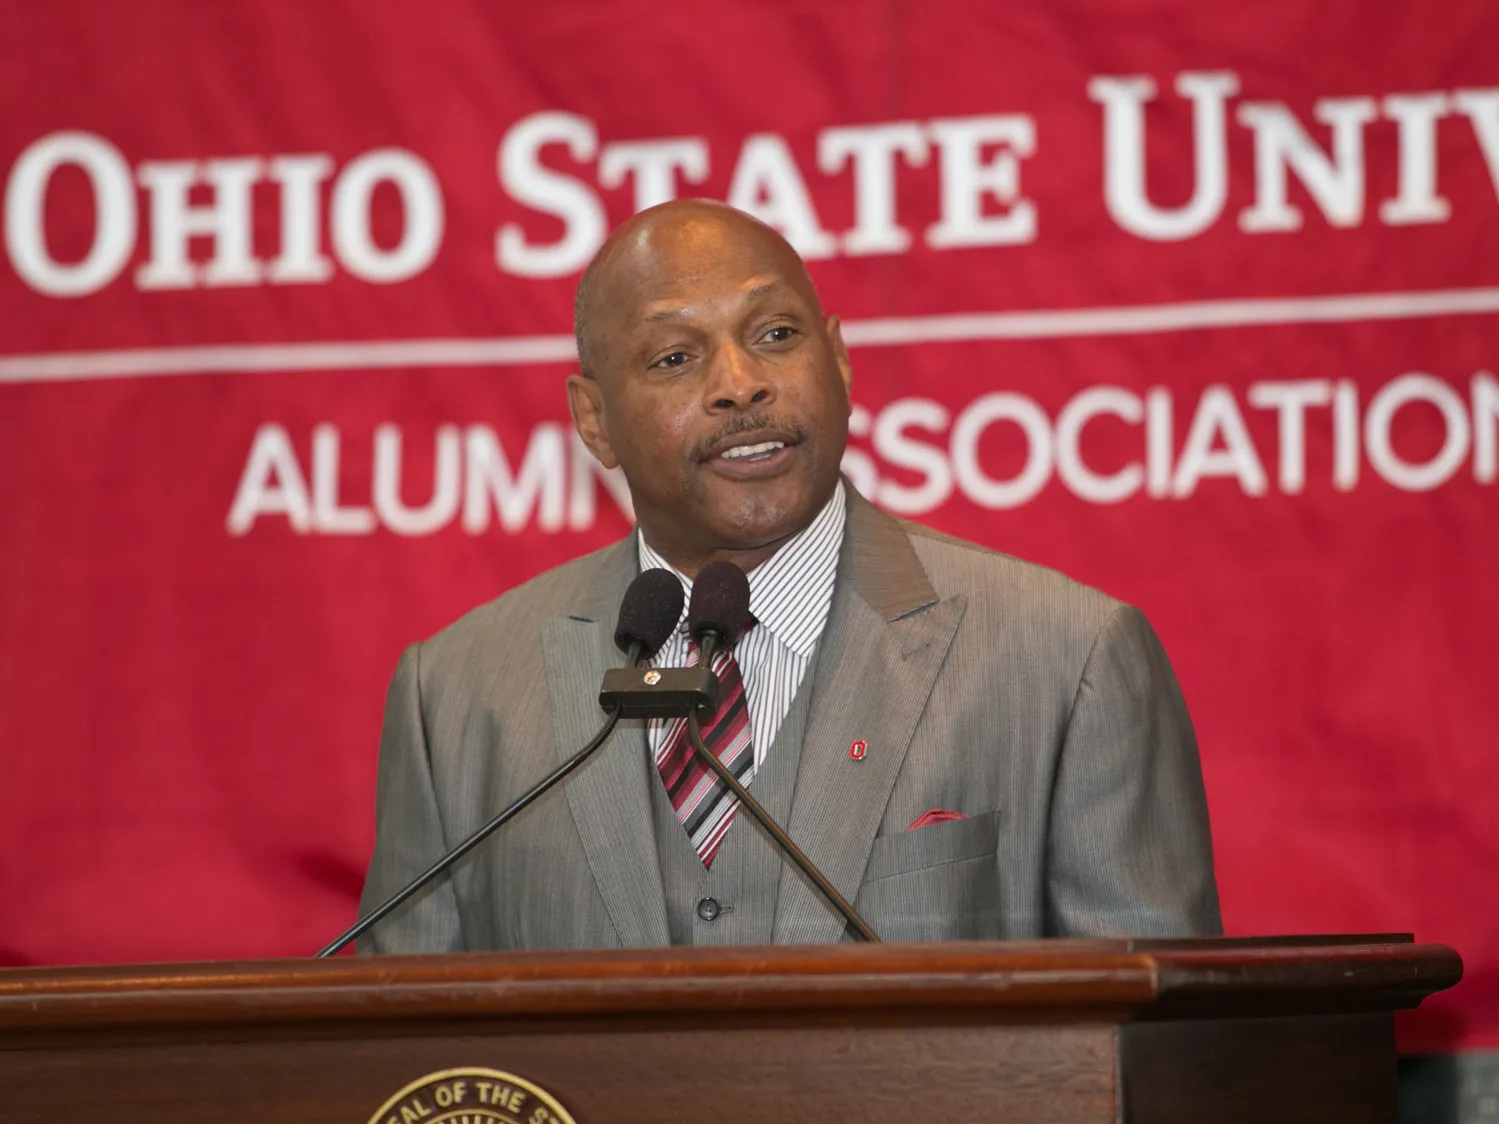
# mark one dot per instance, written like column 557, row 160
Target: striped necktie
column 703, row 803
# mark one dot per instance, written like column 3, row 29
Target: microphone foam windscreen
column 720, row 602
column 651, row 608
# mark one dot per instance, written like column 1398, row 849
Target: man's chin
column 750, row 518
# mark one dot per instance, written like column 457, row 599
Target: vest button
column 708, row 909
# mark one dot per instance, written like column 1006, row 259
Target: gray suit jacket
column 1043, row 710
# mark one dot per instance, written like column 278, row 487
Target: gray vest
column 734, row 902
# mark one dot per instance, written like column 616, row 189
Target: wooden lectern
column 1137, row 1032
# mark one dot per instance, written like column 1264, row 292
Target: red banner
column 1197, row 304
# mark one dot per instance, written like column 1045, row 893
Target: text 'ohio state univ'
column 301, row 218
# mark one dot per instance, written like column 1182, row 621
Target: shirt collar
column 790, row 591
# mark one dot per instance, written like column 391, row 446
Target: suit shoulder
column 1008, row 584
column 515, row 616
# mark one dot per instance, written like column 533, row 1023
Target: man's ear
column 586, row 402
column 840, row 356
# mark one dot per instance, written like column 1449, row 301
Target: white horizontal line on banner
column 892, row 331
column 250, row 358
column 1186, row 316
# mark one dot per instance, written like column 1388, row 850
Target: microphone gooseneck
column 648, row 613
column 857, row 924
column 447, row 860
column 715, row 619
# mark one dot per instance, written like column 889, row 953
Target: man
column 967, row 745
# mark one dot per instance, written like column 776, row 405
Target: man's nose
column 736, row 380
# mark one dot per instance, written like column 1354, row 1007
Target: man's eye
column 780, row 333
column 675, row 359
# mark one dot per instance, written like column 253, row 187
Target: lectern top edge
column 1102, row 981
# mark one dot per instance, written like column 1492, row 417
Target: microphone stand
column 499, row 821
column 710, row 642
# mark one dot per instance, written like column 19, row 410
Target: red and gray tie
column 704, row 804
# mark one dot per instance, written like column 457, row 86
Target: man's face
column 721, row 391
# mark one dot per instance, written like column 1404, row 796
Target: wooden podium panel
column 1054, row 1031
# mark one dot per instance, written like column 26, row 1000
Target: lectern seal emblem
column 471, row 1096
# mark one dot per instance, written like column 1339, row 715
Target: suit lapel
column 608, row 796
column 886, row 638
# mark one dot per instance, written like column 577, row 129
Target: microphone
column 719, row 609
column 666, row 692
column 716, row 617
column 648, row 615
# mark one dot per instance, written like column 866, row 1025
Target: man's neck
column 690, row 562
column 689, row 558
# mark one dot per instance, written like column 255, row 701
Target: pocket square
column 936, row 815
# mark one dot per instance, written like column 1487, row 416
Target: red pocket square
column 936, row 815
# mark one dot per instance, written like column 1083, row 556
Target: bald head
column 673, row 241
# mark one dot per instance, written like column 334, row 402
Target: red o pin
column 858, row 750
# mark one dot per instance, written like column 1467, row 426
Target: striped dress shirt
column 790, row 594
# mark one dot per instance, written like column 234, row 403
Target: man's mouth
column 758, row 452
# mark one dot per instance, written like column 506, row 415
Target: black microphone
column 716, row 617
column 648, row 615
column 719, row 609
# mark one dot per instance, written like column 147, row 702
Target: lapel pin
column 858, row 750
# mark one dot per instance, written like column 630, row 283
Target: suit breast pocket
column 939, row 882
column 933, row 845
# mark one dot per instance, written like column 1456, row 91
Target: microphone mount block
column 667, row 692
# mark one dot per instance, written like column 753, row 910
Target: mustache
column 751, row 423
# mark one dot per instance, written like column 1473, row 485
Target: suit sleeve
column 408, row 830
column 1129, row 848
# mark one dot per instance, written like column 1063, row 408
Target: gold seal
column 471, row 1096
